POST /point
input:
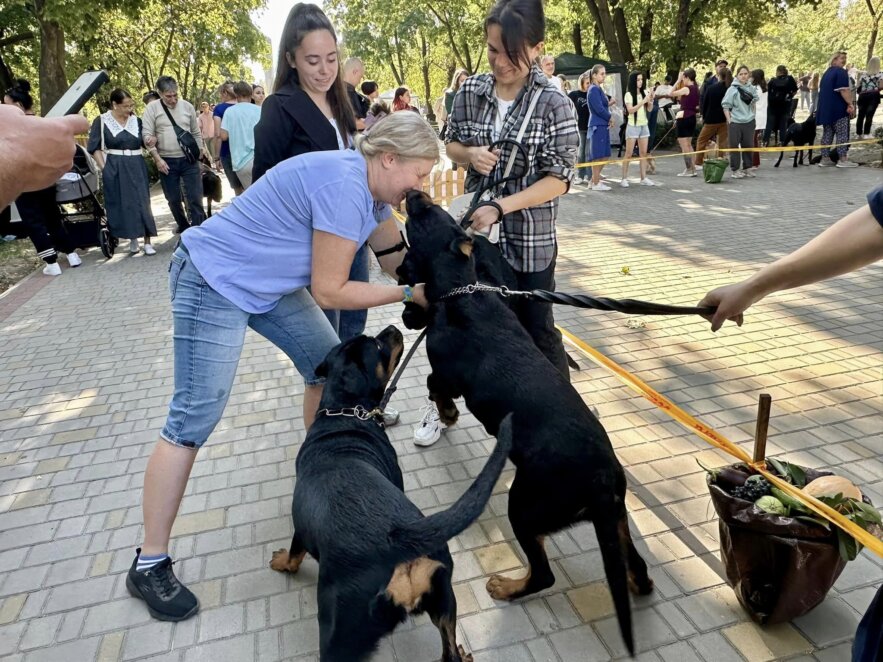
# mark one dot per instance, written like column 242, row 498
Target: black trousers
column 537, row 318
column 776, row 120
column 42, row 220
column 867, row 106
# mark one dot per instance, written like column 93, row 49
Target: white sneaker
column 73, row 259
column 390, row 415
column 749, row 172
column 687, row 173
column 647, row 182
column 624, row 183
column 737, row 174
column 600, row 187
column 53, row 269
column 430, row 428
column 133, row 246
column 149, row 249
column 843, row 163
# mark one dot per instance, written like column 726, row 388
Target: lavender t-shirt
column 259, row 248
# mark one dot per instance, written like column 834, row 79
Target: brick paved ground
column 85, row 376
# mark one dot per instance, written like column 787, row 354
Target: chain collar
column 479, row 287
column 355, row 412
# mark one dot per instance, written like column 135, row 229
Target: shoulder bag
column 186, row 141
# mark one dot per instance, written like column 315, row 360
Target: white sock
column 147, row 562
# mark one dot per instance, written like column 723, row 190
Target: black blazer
column 290, row 124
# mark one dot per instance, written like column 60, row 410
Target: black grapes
column 754, row 488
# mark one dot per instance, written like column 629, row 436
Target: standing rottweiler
column 379, row 557
column 566, row 470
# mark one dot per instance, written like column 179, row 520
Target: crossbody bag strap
column 171, row 119
column 530, row 108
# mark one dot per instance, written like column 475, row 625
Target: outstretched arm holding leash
column 853, row 242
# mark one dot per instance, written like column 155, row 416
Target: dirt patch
column 17, row 260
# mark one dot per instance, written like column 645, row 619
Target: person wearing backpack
column 780, row 91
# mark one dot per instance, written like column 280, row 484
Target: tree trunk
column 646, row 37
column 424, row 67
column 600, row 11
column 875, row 15
column 682, row 29
column 53, row 81
column 596, row 42
column 577, row 36
column 622, row 34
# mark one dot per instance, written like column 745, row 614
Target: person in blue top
column 836, row 108
column 600, row 121
column 250, row 265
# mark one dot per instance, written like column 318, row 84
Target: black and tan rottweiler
column 566, row 470
column 379, row 557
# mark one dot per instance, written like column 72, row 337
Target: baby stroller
column 81, row 210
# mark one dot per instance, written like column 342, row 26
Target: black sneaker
column 167, row 599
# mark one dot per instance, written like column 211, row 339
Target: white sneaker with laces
column 749, row 172
column 843, row 163
column 133, row 246
column 647, row 182
column 430, row 428
column 73, row 259
column 600, row 187
column 737, row 174
column 53, row 269
column 624, row 183
column 149, row 249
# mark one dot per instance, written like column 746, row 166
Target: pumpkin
column 831, row 486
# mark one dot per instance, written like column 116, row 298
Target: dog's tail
column 428, row 534
column 613, row 554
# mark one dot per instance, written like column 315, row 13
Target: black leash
column 627, row 306
column 490, row 184
column 387, row 395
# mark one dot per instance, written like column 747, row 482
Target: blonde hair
column 595, row 71
column 585, row 77
column 455, row 81
column 835, row 56
column 873, row 65
column 406, row 135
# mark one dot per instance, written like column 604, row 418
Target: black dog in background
column 379, row 557
column 800, row 134
column 566, row 470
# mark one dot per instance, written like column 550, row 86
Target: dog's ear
column 462, row 246
column 417, row 203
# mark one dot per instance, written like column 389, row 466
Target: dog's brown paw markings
column 503, row 588
column 464, row 656
column 282, row 562
column 639, row 588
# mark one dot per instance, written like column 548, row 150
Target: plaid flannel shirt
column 527, row 236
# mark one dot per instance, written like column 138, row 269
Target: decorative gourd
column 831, row 486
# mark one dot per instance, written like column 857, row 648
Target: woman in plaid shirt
column 492, row 106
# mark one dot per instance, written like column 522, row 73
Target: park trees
column 197, row 41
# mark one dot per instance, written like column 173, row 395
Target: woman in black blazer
column 309, row 109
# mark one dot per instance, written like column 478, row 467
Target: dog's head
column 440, row 252
column 357, row 371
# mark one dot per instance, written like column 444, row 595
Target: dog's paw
column 638, row 586
column 464, row 656
column 282, row 562
column 449, row 414
column 504, row 588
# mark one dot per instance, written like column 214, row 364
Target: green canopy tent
column 571, row 64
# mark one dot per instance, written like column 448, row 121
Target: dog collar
column 478, row 287
column 358, row 412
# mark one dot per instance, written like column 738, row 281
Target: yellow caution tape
column 716, row 439
column 728, row 150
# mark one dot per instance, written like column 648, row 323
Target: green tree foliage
column 199, row 42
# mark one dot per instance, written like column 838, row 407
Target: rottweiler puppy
column 566, row 470
column 379, row 557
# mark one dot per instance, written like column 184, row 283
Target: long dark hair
column 522, row 26
column 20, row 93
column 758, row 78
column 633, row 90
column 303, row 19
column 397, row 101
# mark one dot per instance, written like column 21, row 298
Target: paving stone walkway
column 86, row 374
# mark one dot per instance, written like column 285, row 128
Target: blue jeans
column 581, row 156
column 209, row 333
column 351, row 323
column 182, row 172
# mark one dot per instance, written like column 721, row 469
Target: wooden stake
column 764, row 404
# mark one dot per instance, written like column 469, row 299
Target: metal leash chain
column 628, row 306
